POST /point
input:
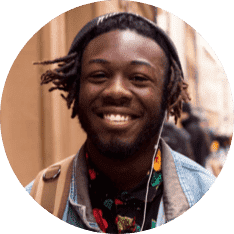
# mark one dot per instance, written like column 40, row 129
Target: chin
column 117, row 147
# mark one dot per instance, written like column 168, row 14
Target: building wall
column 208, row 85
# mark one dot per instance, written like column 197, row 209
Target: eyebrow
column 103, row 61
column 134, row 62
column 139, row 62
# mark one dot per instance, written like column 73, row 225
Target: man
column 123, row 78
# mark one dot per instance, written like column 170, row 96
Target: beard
column 118, row 149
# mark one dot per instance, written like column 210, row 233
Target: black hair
column 66, row 76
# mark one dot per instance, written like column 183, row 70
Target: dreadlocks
column 66, row 76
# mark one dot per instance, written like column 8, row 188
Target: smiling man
column 123, row 78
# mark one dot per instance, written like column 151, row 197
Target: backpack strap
column 51, row 187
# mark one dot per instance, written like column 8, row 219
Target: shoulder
column 190, row 166
column 52, row 172
column 195, row 179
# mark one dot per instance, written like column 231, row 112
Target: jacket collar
column 79, row 195
column 174, row 199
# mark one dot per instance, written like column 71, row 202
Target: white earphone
column 151, row 170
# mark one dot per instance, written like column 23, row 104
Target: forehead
column 126, row 45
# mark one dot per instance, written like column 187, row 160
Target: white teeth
column 117, row 118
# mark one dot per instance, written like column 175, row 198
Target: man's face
column 121, row 92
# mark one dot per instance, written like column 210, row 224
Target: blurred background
column 36, row 127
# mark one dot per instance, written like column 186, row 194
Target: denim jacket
column 185, row 182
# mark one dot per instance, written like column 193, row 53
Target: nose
column 117, row 92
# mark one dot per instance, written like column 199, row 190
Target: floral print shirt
column 122, row 211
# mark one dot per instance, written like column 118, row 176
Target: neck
column 126, row 173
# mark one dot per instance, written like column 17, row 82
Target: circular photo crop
column 116, row 117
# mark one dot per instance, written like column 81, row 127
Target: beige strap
column 52, row 191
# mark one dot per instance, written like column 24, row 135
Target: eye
column 98, row 77
column 139, row 79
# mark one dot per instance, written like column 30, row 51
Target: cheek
column 151, row 98
column 88, row 93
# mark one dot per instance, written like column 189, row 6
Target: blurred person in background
column 178, row 139
column 200, row 140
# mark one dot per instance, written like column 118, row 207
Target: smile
column 117, row 117
column 117, row 120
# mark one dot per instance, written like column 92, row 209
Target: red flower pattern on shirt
column 92, row 174
column 102, row 223
column 118, row 202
